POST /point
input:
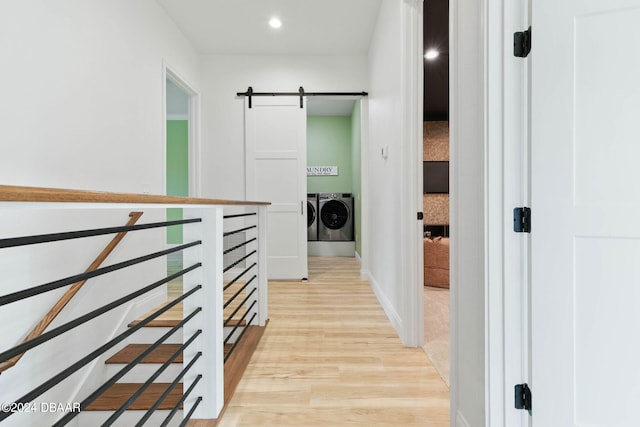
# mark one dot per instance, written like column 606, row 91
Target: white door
column 585, row 238
column 276, row 159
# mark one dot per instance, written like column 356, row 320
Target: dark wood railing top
column 10, row 193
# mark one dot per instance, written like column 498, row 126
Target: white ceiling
column 309, row 27
column 329, row 106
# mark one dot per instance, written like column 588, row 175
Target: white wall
column 82, row 107
column 223, row 112
column 82, row 92
column 468, row 192
column 383, row 186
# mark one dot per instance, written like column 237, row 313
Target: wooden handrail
column 11, row 193
column 64, row 300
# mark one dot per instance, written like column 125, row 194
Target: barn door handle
column 301, row 208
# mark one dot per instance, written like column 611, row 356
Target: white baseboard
column 388, row 308
column 461, row 420
column 358, row 259
column 320, row 248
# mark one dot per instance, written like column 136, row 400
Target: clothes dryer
column 336, row 216
column 312, row 216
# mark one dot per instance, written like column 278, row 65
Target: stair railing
column 241, row 270
column 72, row 291
column 203, row 351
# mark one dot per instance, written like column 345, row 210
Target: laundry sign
column 322, row 171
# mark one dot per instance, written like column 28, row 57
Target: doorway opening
column 181, row 160
column 334, row 165
column 436, row 185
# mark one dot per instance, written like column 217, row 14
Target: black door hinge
column 522, row 43
column 522, row 220
column 523, row 397
column 420, row 216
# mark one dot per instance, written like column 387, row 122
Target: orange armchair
column 436, row 262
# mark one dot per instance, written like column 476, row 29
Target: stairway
column 102, row 408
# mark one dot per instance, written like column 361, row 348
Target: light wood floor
column 330, row 357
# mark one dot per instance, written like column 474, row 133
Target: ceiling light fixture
column 431, row 54
column 275, row 22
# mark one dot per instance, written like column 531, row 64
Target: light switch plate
column 385, row 151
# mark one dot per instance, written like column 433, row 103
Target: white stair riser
column 143, row 371
column 128, row 419
column 234, row 337
column 151, row 335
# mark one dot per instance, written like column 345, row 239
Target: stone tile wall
column 436, row 147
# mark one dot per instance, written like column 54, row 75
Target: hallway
column 330, row 357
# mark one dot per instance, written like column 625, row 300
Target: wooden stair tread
column 118, row 393
column 170, row 323
column 158, row 323
column 160, row 355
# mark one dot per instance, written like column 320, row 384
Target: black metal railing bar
column 233, row 347
column 56, row 237
column 27, row 345
column 239, row 215
column 122, row 372
column 56, row 379
column 229, row 267
column 228, row 337
column 239, row 230
column 36, row 290
column 164, row 395
column 245, row 243
column 189, row 414
column 235, row 295
column 228, row 319
column 235, row 279
column 150, row 380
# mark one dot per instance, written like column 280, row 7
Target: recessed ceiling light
column 431, row 54
column 275, row 22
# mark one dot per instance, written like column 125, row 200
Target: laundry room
column 333, row 176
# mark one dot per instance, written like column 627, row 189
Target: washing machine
column 336, row 217
column 312, row 216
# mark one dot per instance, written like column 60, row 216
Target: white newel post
column 263, row 292
column 210, row 364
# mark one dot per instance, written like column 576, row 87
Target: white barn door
column 276, row 159
column 585, row 238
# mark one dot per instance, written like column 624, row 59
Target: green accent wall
column 329, row 144
column 177, row 172
column 336, row 141
column 356, row 144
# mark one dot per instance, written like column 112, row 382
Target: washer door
column 334, row 214
column 311, row 214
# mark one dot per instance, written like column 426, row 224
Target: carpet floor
column 436, row 329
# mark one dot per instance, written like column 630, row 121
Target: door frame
column 194, row 144
column 412, row 273
column 483, row 65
